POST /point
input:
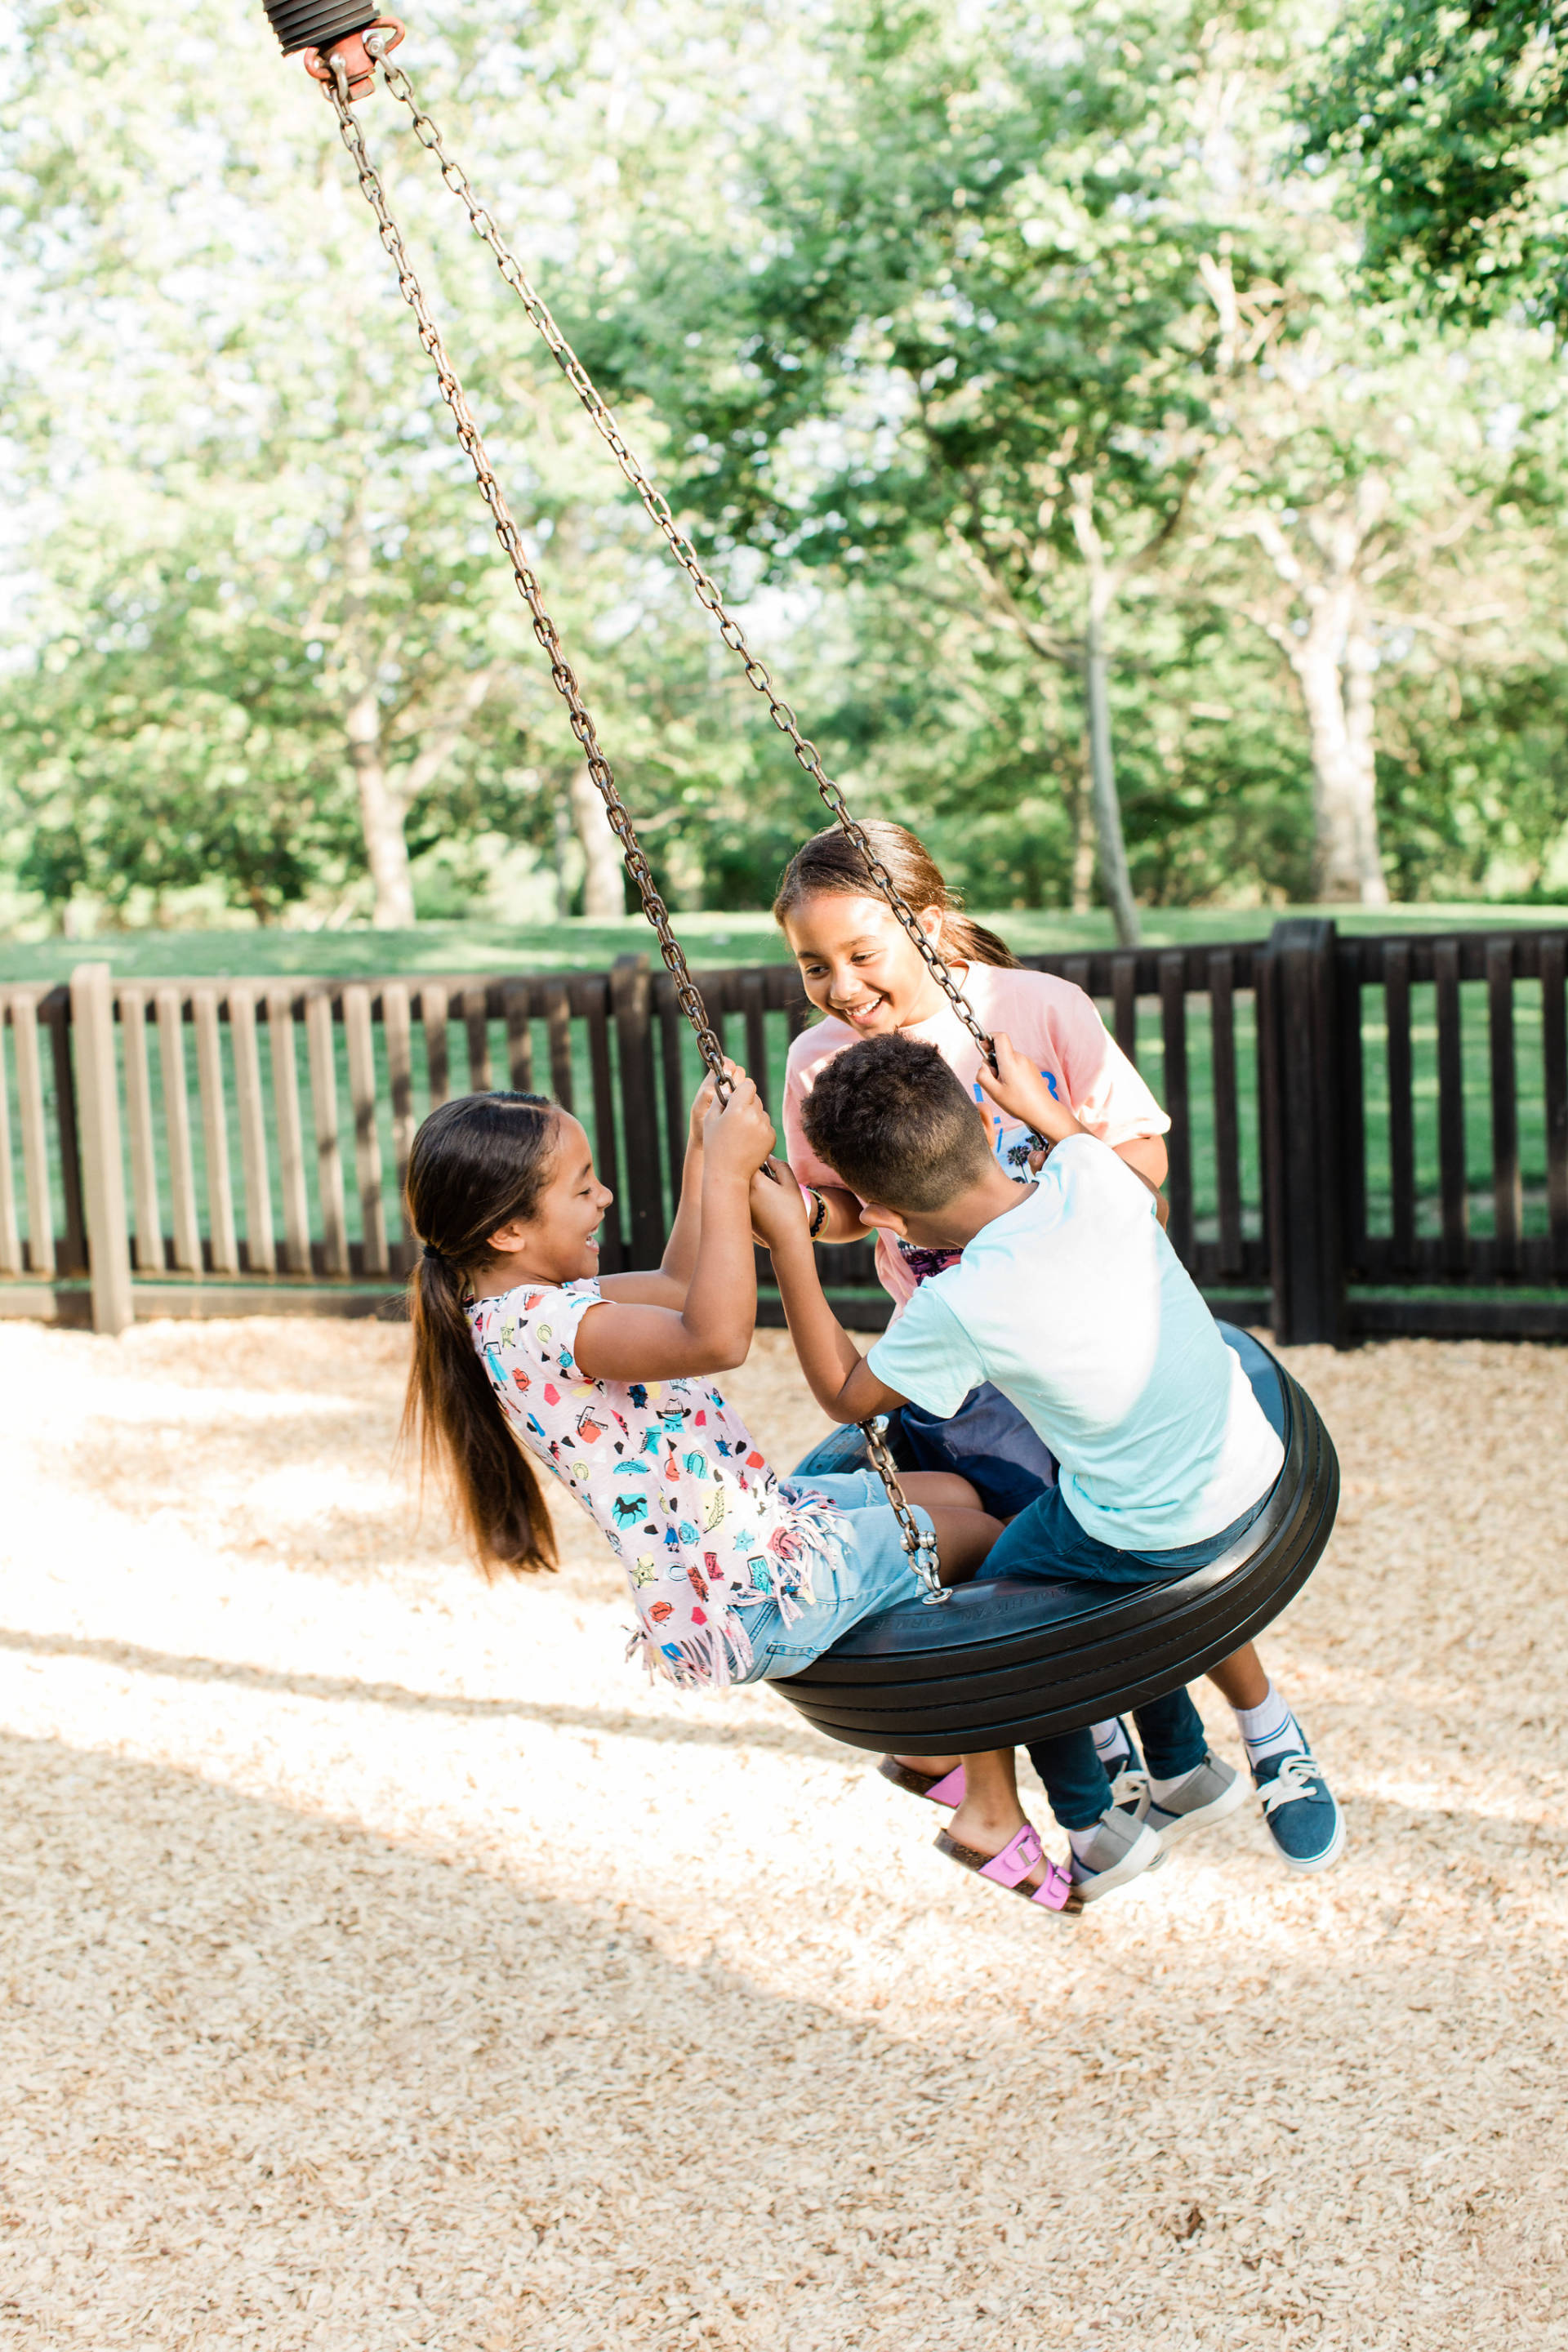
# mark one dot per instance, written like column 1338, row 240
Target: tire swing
column 973, row 1666
column 1022, row 1659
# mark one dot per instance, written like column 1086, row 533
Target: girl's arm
column 1147, row 1157
column 838, row 1376
column 669, row 1286
column 843, row 1220
column 711, row 1330
column 1020, row 1088
column 842, row 1223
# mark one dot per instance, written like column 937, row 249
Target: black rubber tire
column 999, row 1664
column 316, row 24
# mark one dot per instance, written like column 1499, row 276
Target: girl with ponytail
column 525, row 1358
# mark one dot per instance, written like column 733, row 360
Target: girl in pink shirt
column 866, row 976
column 864, row 973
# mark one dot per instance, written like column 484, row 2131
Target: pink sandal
column 1009, row 1868
column 943, row 1788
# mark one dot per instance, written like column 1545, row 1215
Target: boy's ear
column 875, row 1215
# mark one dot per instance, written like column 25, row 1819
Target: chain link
column 657, row 508
column 918, row 1546
column 545, row 629
column 919, row 1543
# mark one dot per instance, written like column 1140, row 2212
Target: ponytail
column 477, row 1164
column 830, row 863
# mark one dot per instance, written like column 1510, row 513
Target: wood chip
column 385, row 1964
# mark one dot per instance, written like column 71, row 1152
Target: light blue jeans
column 859, row 1576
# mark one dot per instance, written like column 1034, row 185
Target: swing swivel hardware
column 325, row 28
column 354, row 58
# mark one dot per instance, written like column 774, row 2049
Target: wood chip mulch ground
column 384, row 1965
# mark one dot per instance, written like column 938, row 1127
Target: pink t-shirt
column 1051, row 1020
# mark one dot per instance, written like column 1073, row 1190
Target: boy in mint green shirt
column 1072, row 1302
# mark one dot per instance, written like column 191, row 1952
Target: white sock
column 1161, row 1789
column 1109, row 1742
column 1081, row 1840
column 1267, row 1729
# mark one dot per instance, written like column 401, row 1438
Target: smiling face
column 557, row 1242
column 857, row 962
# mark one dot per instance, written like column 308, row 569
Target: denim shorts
column 864, row 1572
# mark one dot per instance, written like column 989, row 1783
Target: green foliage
column 877, row 288
column 972, row 273
column 1452, row 121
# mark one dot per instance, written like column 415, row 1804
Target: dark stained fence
column 1367, row 1135
column 1454, row 1202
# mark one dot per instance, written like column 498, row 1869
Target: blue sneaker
column 1298, row 1808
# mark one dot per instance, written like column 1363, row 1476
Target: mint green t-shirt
column 1077, row 1307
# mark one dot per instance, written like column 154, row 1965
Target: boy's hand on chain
column 778, row 1210
column 1019, row 1088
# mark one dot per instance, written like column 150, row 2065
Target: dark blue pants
column 1170, row 1732
column 1046, row 1541
column 986, row 1441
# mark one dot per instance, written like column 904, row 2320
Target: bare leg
column 1241, row 1678
column 965, row 1534
column 991, row 1815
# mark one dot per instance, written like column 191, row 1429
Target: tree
column 1449, row 116
column 264, row 488
column 959, row 338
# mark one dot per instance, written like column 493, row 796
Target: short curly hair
column 890, row 1117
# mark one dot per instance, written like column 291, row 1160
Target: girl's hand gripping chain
column 1020, row 1089
column 737, row 1136
column 703, row 1103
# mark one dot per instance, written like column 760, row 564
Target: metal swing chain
column 918, row 1546
column 545, row 629
column 658, row 511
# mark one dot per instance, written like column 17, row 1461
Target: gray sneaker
column 1124, row 1847
column 1211, row 1791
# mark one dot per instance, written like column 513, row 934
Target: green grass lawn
column 711, row 940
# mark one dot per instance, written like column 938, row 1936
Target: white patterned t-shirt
column 700, row 1522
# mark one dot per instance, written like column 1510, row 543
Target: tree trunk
column 380, row 806
column 604, row 880
column 1360, row 665
column 1115, row 879
column 381, row 815
column 1082, row 848
column 560, row 838
column 1344, row 818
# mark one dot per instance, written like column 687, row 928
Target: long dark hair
column 476, row 1164
column 829, row 861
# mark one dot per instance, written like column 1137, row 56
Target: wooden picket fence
column 1367, row 1135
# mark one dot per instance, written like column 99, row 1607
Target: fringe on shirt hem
column 712, row 1656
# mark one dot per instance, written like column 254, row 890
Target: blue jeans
column 1046, row 1541
column 1170, row 1732
column 861, row 1571
column 986, row 1441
